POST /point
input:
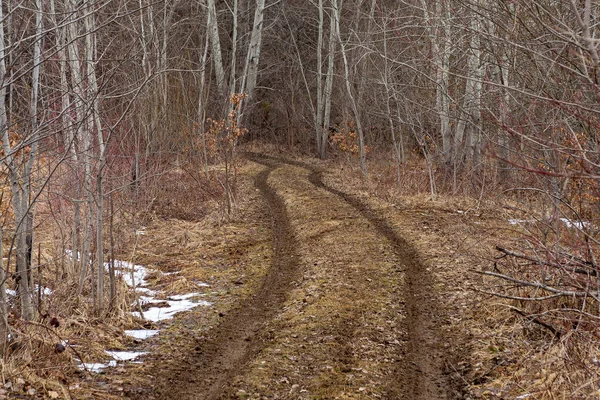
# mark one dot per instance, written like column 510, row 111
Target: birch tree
column 469, row 122
column 213, row 31
column 20, row 163
column 250, row 76
column 438, row 29
column 349, row 92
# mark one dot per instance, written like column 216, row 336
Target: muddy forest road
column 346, row 310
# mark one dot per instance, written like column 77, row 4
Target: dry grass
column 505, row 355
column 498, row 353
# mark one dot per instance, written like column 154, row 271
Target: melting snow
column 517, row 221
column 156, row 314
column 125, row 355
column 96, row 367
column 141, row 334
column 176, row 304
column 569, row 223
column 124, row 268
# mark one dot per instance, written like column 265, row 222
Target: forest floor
column 321, row 290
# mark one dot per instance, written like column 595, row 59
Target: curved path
column 347, row 309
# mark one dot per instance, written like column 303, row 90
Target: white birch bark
column 351, row 97
column 233, row 64
column 470, row 113
column 201, row 101
column 502, row 74
column 216, row 45
column 90, row 52
column 319, row 127
column 4, row 327
column 440, row 49
column 68, row 129
column 6, row 147
column 253, row 55
column 84, row 126
column 328, row 83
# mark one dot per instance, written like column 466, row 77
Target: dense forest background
column 99, row 100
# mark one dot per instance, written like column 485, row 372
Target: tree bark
column 351, row 97
column 328, row 83
column 216, row 45
column 253, row 55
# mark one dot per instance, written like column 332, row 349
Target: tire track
column 420, row 370
column 223, row 354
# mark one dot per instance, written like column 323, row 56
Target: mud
column 225, row 351
column 420, row 372
column 225, row 354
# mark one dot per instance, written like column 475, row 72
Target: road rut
column 346, row 310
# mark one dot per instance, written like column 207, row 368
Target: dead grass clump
column 182, row 194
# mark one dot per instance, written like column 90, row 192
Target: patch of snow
column 201, row 284
column 70, row 254
column 148, row 299
column 117, row 355
column 147, row 291
column 142, row 334
column 96, row 367
column 524, row 396
column 569, row 223
column 124, row 269
column 171, row 273
column 156, row 314
column 125, row 355
column 45, row 291
column 518, row 221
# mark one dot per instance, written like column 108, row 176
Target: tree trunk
column 216, row 45
column 439, row 34
column 3, row 308
column 328, row 84
column 319, row 127
column 470, row 121
column 253, row 56
column 351, row 97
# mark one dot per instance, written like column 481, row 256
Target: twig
column 506, row 296
column 536, row 285
column 533, row 319
column 584, row 263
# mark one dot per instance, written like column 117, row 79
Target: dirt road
column 346, row 310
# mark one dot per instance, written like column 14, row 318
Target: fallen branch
column 592, row 271
column 506, row 296
column 536, row 285
column 536, row 320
